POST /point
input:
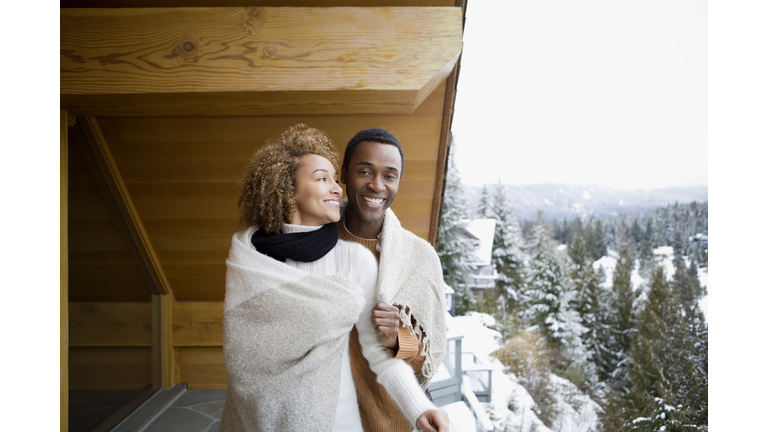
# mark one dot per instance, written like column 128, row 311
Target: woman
column 293, row 293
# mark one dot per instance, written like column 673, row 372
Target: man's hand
column 433, row 421
column 386, row 321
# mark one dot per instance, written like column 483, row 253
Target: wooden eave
column 254, row 60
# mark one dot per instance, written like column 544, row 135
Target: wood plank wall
column 182, row 175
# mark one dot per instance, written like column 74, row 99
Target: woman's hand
column 433, row 421
column 386, row 321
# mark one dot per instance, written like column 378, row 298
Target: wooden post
column 163, row 354
column 64, row 286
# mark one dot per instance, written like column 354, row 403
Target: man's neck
column 362, row 229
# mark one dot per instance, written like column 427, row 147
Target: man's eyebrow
column 370, row 164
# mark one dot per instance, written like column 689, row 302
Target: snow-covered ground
column 511, row 407
column 665, row 256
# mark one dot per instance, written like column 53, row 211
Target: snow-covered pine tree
column 484, row 204
column 548, row 298
column 666, row 390
column 636, row 232
column 597, row 245
column 452, row 247
column 508, row 256
column 693, row 274
column 576, row 229
column 622, row 310
column 646, row 259
column 590, row 304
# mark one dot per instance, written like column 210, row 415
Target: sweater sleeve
column 395, row 375
column 408, row 349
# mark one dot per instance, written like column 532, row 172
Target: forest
column 636, row 343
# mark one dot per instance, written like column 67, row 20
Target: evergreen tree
column 668, row 387
column 649, row 231
column 636, row 232
column 678, row 247
column 693, row 275
column 453, row 247
column 590, row 305
column 683, row 284
column 576, row 229
column 598, row 245
column 549, row 296
column 508, row 256
column 484, row 205
column 646, row 259
column 622, row 310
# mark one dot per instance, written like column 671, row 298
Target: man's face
column 372, row 178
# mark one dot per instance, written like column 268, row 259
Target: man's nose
column 376, row 184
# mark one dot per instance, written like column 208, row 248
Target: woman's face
column 317, row 192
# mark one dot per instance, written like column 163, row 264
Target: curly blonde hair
column 267, row 199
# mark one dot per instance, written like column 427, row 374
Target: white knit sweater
column 394, row 374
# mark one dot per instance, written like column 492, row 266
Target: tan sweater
column 378, row 411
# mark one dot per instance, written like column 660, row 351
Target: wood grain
column 197, row 323
column 258, row 60
column 110, row 324
column 202, row 367
column 276, row 3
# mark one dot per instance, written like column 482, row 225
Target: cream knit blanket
column 284, row 336
column 411, row 278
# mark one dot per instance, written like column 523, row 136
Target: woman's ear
column 343, row 176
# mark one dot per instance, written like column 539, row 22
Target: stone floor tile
column 214, row 409
column 180, row 420
column 213, row 428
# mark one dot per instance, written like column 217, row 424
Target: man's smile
column 373, row 202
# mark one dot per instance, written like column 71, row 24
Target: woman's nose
column 336, row 189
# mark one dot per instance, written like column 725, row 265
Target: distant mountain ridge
column 567, row 201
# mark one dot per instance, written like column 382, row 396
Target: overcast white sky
column 594, row 92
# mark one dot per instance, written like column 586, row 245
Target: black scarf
column 301, row 246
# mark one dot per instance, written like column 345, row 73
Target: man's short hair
column 377, row 135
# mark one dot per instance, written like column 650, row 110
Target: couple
column 331, row 323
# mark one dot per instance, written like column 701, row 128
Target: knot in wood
column 256, row 11
column 269, row 52
column 188, row 48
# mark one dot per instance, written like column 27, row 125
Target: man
column 410, row 316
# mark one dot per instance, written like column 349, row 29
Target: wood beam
column 215, row 3
column 111, row 182
column 64, row 276
column 258, row 60
column 163, row 354
column 442, row 156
